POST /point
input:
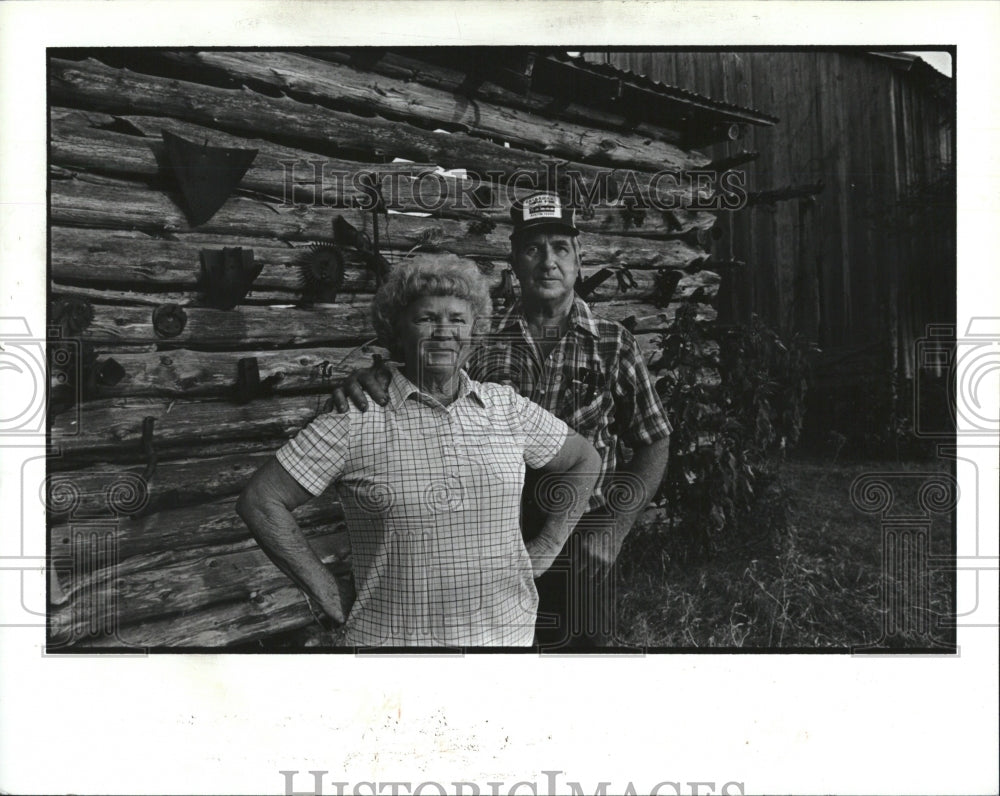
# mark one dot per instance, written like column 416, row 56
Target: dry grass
column 808, row 577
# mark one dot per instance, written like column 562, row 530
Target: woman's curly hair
column 447, row 275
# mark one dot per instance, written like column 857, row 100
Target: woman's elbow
column 245, row 504
column 588, row 460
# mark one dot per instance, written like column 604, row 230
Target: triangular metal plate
column 207, row 175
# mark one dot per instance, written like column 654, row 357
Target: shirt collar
column 580, row 318
column 401, row 388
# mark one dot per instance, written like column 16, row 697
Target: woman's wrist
column 327, row 607
column 543, row 549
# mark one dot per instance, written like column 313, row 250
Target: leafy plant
column 736, row 401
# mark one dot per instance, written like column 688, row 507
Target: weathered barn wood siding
column 870, row 262
column 163, row 560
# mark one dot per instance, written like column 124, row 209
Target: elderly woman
column 430, row 483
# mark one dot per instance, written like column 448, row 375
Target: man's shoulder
column 611, row 335
column 603, row 326
column 607, row 327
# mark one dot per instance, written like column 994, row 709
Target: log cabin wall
column 865, row 266
column 152, row 439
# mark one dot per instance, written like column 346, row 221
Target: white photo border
column 231, row 724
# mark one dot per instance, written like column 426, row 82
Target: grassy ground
column 809, row 577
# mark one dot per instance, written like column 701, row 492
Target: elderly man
column 589, row 372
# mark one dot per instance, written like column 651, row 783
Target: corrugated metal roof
column 731, row 112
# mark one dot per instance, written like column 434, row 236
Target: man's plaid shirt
column 594, row 379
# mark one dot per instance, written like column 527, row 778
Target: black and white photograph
column 715, row 271
column 585, row 370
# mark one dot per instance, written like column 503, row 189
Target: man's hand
column 358, row 385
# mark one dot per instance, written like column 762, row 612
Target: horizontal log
column 82, row 545
column 103, row 427
column 61, row 460
column 112, row 489
column 275, row 326
column 107, row 425
column 183, row 373
column 93, row 141
column 137, row 261
column 638, row 284
column 243, row 327
column 363, row 91
column 96, row 86
column 90, row 141
column 272, row 610
column 126, row 259
column 408, row 68
column 90, row 201
column 186, row 373
column 703, row 283
column 195, row 297
column 87, row 583
column 115, row 598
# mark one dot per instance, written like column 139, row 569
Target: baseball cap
column 542, row 211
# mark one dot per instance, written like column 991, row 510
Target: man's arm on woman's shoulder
column 358, row 385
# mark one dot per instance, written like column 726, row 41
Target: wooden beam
column 90, row 201
column 78, row 277
column 241, row 328
column 117, row 598
column 99, row 87
column 82, row 545
column 183, row 373
column 126, row 259
column 405, row 66
column 197, row 478
column 274, row 609
column 288, row 177
column 100, row 428
column 244, row 327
